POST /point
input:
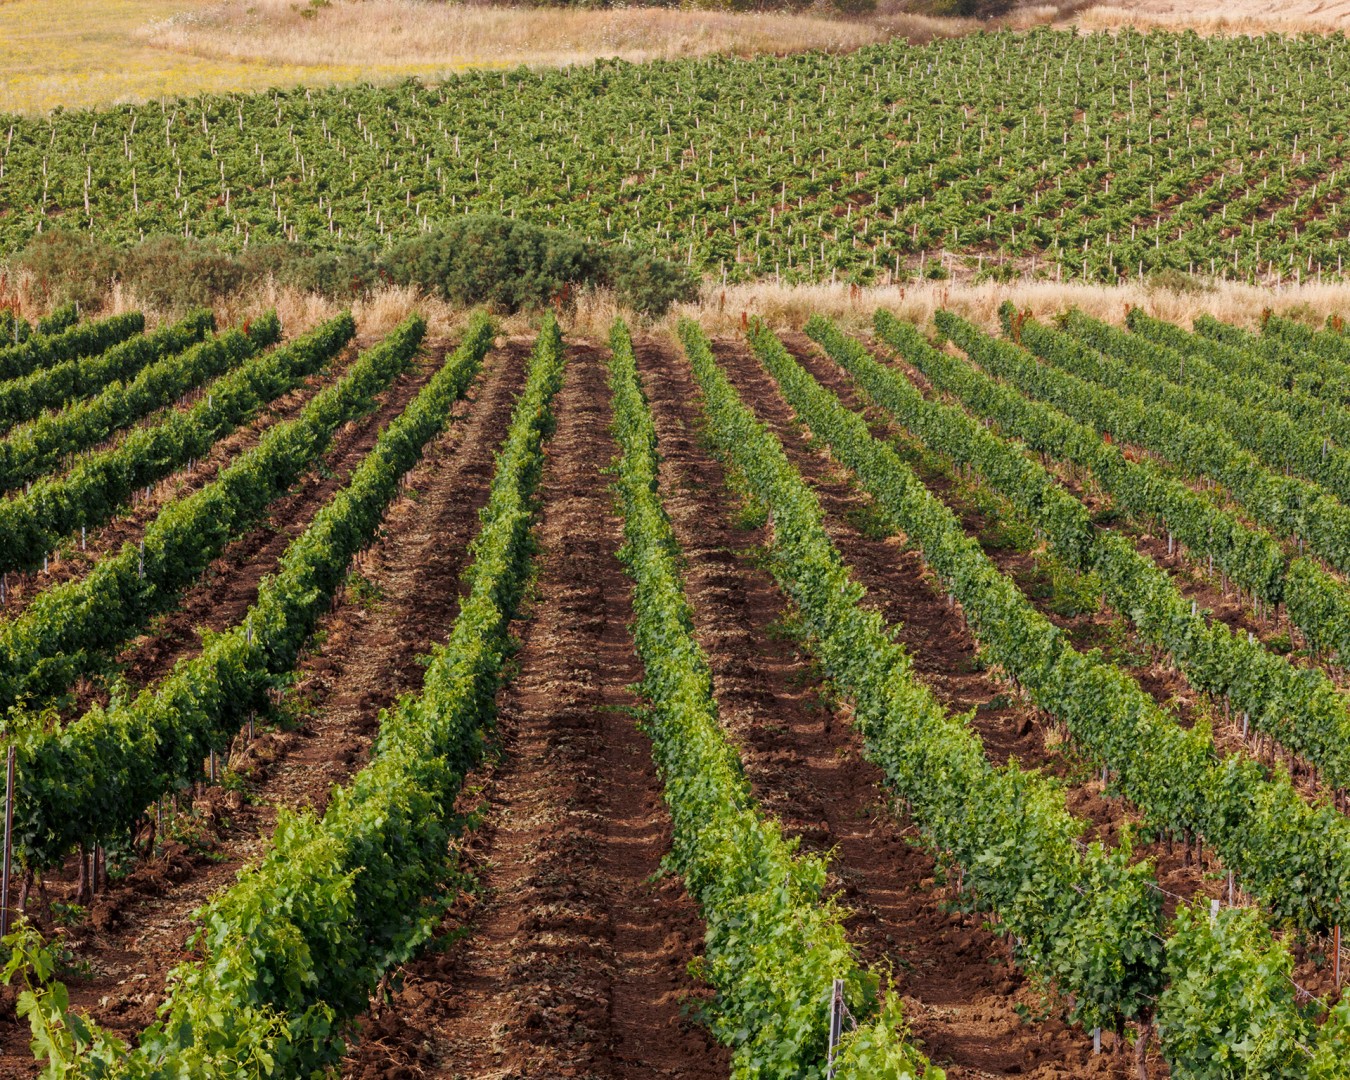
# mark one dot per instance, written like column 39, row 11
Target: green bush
column 479, row 259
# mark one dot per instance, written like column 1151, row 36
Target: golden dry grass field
column 71, row 53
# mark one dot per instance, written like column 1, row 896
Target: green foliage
column 46, row 350
column 1301, row 707
column 56, row 383
column 31, row 449
column 774, row 942
column 1229, row 1009
column 489, row 259
column 68, row 626
column 1258, row 823
column 513, row 264
column 299, row 943
column 202, row 703
column 62, row 1039
column 1095, row 156
column 1085, row 920
column 98, row 483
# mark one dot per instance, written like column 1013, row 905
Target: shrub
column 478, row 259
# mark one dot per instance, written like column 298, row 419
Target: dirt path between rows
column 972, row 1009
column 137, row 931
column 572, row 960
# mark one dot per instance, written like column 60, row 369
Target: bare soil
column 572, row 959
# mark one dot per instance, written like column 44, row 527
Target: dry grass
column 60, row 52
column 788, row 307
column 783, row 307
column 1229, row 17
column 435, row 39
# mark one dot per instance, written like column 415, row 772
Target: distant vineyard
column 1048, row 154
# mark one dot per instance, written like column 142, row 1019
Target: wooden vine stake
column 837, row 1010
column 9, row 841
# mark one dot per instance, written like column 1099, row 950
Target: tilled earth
column 570, row 954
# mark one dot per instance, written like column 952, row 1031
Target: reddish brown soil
column 129, row 526
column 572, row 961
column 137, row 930
column 805, row 763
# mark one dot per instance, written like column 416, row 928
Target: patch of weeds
column 1028, row 1015
column 758, row 557
column 787, row 627
column 291, row 712
column 750, row 514
column 189, row 828
column 67, row 914
column 1280, row 643
column 229, row 780
column 1070, row 592
column 363, row 592
column 1003, row 533
column 809, row 674
column 998, row 701
column 870, row 520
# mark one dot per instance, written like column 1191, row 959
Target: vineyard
column 1052, row 154
column 388, row 699
column 442, row 635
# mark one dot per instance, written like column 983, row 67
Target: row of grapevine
column 1291, row 506
column 1316, row 358
column 1252, row 558
column 1317, row 602
column 1198, row 1031
column 1297, row 507
column 93, row 779
column 1247, row 373
column 1083, row 919
column 1284, row 344
column 1258, row 824
column 34, row 522
column 1232, row 1009
column 52, row 387
column 1297, row 706
column 67, row 628
column 67, row 341
column 1327, row 350
column 38, row 446
column 774, row 942
column 1226, row 1006
column 300, row 942
column 1130, row 365
column 15, row 330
